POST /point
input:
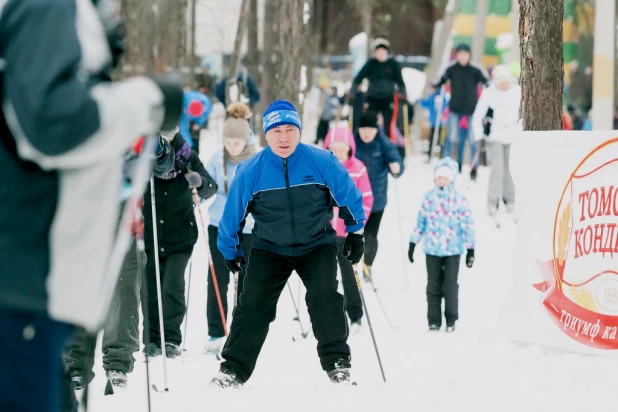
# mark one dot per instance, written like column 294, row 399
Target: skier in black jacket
column 384, row 74
column 176, row 234
column 465, row 78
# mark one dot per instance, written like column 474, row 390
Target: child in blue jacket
column 445, row 220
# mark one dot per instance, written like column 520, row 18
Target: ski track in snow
column 469, row 370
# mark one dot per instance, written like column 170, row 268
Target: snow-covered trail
column 466, row 370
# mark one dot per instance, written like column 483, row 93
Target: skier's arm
column 421, row 223
column 467, row 224
column 479, row 114
column 391, row 154
column 237, row 207
column 364, row 185
column 211, row 166
column 398, row 77
column 346, row 196
column 482, row 76
column 60, row 117
column 444, row 77
column 209, row 185
column 362, row 74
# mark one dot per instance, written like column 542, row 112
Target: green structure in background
column 578, row 29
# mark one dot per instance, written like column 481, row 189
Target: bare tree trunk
column 367, row 10
column 542, row 75
column 194, row 63
column 234, row 63
column 437, row 51
column 253, row 53
column 478, row 41
column 283, row 33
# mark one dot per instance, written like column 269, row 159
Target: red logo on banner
column 580, row 290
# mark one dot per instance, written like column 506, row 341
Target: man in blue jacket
column 381, row 157
column 290, row 189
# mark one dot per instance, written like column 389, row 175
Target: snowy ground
column 469, row 370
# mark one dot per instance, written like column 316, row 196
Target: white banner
column 565, row 285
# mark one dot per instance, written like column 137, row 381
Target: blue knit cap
column 279, row 113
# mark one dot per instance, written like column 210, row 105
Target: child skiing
column 176, row 234
column 340, row 141
column 381, row 157
column 239, row 145
column 495, row 120
column 445, row 220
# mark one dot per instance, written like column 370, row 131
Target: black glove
column 411, row 252
column 234, row 265
column 354, row 247
column 470, row 258
column 171, row 87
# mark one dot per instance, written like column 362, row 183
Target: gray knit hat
column 236, row 125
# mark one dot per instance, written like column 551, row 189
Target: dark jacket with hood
column 176, row 226
column 465, row 81
column 382, row 76
column 376, row 156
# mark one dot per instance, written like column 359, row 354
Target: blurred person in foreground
column 63, row 131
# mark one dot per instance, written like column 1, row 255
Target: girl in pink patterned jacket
column 340, row 141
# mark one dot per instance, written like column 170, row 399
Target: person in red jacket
column 340, row 141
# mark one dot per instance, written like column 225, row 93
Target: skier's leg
column 76, row 355
column 434, row 290
column 173, row 294
column 318, row 270
column 452, row 134
column 121, row 330
column 353, row 303
column 461, row 145
column 495, row 158
column 371, row 236
column 267, row 274
column 247, row 240
column 431, row 133
column 31, row 349
column 213, row 313
column 508, row 185
column 152, row 302
column 450, row 289
column 386, row 107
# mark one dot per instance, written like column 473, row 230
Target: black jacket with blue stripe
column 291, row 201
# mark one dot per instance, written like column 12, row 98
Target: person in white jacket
column 496, row 120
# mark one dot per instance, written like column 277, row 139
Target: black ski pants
column 384, row 106
column 172, row 270
column 213, row 314
column 442, row 273
column 267, row 274
column 353, row 303
column 371, row 236
column 121, row 328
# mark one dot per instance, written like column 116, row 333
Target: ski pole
column 140, row 248
column 373, row 337
column 158, row 280
column 235, row 289
column 406, row 129
column 403, row 252
column 375, row 290
column 212, row 266
column 302, row 329
column 184, row 336
column 436, row 129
